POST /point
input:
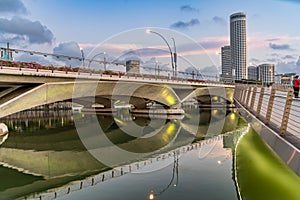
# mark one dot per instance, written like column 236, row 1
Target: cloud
column 12, row 6
column 286, row 67
column 255, row 60
column 219, row 20
column 185, row 25
column 68, row 49
column 210, row 72
column 36, row 58
column 279, row 46
column 288, row 57
column 273, row 39
column 188, row 8
column 272, row 60
column 298, row 62
column 33, row 31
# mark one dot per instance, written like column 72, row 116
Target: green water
column 261, row 174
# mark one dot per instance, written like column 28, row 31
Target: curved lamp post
column 175, row 56
column 82, row 55
column 104, row 59
column 171, row 53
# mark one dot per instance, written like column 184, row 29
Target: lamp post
column 175, row 56
column 104, row 59
column 171, row 53
column 82, row 55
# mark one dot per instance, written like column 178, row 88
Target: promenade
column 275, row 115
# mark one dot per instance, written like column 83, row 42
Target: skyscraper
column 266, row 73
column 226, row 64
column 238, row 44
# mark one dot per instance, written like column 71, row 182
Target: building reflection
column 45, row 146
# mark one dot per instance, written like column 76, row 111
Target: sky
column 199, row 27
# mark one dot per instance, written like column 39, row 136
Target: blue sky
column 63, row 26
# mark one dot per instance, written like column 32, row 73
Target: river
column 65, row 155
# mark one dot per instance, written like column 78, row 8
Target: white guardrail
column 278, row 109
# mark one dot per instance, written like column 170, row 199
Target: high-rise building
column 266, row 73
column 226, row 64
column 252, row 73
column 238, row 44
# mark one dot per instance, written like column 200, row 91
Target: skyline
column 65, row 26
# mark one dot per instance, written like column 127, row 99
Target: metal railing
column 275, row 107
column 108, row 75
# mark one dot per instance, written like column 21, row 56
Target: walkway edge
column 285, row 150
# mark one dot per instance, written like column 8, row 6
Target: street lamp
column 82, row 55
column 104, row 59
column 175, row 56
column 171, row 53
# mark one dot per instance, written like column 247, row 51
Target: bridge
column 274, row 114
column 25, row 88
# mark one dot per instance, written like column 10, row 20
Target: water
column 133, row 157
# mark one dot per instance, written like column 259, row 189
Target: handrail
column 274, row 106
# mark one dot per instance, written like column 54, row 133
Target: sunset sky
column 65, row 26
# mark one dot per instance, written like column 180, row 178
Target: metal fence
column 274, row 106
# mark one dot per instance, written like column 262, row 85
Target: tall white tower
column 238, row 44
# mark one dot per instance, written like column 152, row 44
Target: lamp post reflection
column 152, row 194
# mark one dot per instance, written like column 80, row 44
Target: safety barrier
column 275, row 107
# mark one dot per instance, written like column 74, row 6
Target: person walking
column 296, row 84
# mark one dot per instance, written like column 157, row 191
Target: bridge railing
column 108, row 75
column 275, row 108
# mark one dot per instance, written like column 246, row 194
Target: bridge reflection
column 46, row 149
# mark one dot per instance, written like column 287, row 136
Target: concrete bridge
column 23, row 88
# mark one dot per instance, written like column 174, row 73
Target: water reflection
column 174, row 176
column 44, row 151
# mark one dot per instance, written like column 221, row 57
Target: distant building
column 252, row 73
column 238, row 44
column 266, row 73
column 277, row 78
column 226, row 75
column 287, row 78
column 6, row 54
column 133, row 66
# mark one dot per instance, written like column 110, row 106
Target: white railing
column 275, row 107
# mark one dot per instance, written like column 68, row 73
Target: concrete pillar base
column 158, row 111
column 98, row 110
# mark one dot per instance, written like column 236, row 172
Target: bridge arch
column 211, row 94
column 62, row 91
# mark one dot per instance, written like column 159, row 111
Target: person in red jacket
column 296, row 83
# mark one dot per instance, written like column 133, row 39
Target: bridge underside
column 107, row 94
